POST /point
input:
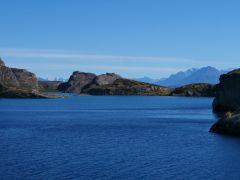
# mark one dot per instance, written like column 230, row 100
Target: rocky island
column 227, row 104
column 109, row 84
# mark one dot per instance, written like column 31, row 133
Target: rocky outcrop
column 12, row 77
column 195, row 90
column 77, row 81
column 106, row 79
column 101, row 80
column 19, row 83
column 228, row 124
column 228, row 92
column 227, row 104
column 80, row 82
column 7, row 77
column 128, row 87
column 26, row 79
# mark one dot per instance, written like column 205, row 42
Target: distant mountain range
column 208, row 75
column 61, row 79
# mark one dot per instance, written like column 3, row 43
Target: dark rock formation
column 227, row 104
column 77, row 81
column 228, row 124
column 228, row 92
column 128, row 87
column 49, row 86
column 196, row 90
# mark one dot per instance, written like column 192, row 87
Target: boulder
column 228, row 124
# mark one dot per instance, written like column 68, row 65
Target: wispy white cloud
column 63, row 55
column 110, row 68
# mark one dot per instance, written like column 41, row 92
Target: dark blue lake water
column 114, row 138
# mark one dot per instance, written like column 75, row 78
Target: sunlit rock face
column 77, row 81
column 18, row 83
column 20, row 78
column 7, row 76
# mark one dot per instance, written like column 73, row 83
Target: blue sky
column 134, row 38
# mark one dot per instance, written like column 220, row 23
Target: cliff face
column 7, row 77
column 228, row 92
column 12, row 77
column 195, row 90
column 227, row 104
column 26, row 79
column 77, row 81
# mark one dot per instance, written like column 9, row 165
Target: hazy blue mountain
column 203, row 75
column 147, row 80
column 55, row 79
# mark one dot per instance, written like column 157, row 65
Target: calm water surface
column 114, row 138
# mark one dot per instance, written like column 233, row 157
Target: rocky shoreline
column 227, row 104
column 20, row 83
